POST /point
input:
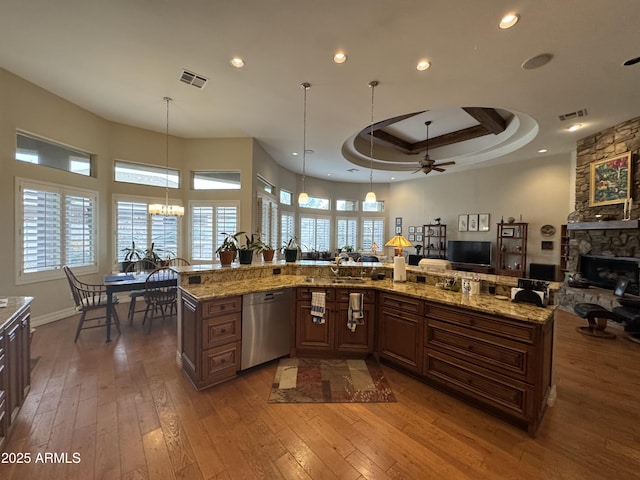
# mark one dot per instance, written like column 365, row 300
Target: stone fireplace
column 608, row 235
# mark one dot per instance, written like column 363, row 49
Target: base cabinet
column 15, row 365
column 501, row 364
column 400, row 331
column 333, row 336
column 211, row 339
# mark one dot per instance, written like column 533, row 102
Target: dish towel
column 355, row 311
column 317, row 307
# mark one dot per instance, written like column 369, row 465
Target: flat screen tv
column 463, row 251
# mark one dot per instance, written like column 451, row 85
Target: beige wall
column 537, row 189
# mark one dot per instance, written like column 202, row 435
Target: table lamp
column 398, row 242
column 374, row 247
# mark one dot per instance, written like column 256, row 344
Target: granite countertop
column 14, row 305
column 480, row 303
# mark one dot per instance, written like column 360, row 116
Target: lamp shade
column 303, row 198
column 371, row 197
column 398, row 241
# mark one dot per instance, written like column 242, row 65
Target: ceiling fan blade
column 416, row 171
column 438, row 169
column 444, row 164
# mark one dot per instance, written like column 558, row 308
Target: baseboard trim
column 52, row 317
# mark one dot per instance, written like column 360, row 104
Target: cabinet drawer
column 507, row 328
column 510, row 396
column 398, row 302
column 220, row 363
column 342, row 294
column 223, row 306
column 304, row 293
column 220, row 330
column 504, row 356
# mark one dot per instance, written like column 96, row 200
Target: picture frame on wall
column 610, row 180
column 398, row 221
column 398, row 229
column 483, row 222
column 418, row 238
column 462, row 223
column 473, row 222
column 412, row 237
column 412, row 229
column 419, row 229
column 546, row 245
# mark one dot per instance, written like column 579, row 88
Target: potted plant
column 227, row 250
column 246, row 249
column 131, row 255
column 266, row 249
column 290, row 250
column 151, row 256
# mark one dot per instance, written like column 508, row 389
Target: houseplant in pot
column 266, row 249
column 227, row 250
column 131, row 254
column 246, row 249
column 290, row 250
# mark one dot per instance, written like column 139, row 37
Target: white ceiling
column 119, row 58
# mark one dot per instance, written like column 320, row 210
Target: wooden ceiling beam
column 451, row 138
column 489, row 118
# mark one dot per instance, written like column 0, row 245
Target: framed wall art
column 473, row 222
column 412, row 237
column 483, row 222
column 610, row 180
column 508, row 231
column 462, row 223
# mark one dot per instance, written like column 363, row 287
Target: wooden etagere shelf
column 512, row 249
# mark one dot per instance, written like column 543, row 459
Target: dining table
column 127, row 282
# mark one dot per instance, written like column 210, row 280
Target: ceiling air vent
column 194, row 79
column 573, row 115
column 353, row 170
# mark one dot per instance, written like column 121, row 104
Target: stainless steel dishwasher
column 266, row 322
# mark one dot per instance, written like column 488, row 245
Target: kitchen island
column 488, row 351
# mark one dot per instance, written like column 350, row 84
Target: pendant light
column 303, row 198
column 371, row 195
column 166, row 210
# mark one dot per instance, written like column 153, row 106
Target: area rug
column 308, row 380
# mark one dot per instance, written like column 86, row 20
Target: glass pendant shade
column 303, row 198
column 371, row 197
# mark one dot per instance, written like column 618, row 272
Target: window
column 373, row 207
column 216, row 181
column 35, row 150
column 285, row 197
column 315, row 233
column 56, row 227
column 268, row 221
column 372, row 232
column 287, row 227
column 134, row 224
column 265, row 186
column 346, row 232
column 140, row 174
column 318, row 203
column 208, row 221
column 347, row 205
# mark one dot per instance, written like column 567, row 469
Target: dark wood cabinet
column 500, row 363
column 15, row 361
column 400, row 330
column 333, row 336
column 211, row 339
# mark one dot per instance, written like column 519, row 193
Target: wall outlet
column 277, row 271
column 195, row 280
column 421, row 279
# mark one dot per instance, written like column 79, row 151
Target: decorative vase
column 226, row 257
column 291, row 254
column 267, row 255
column 245, row 257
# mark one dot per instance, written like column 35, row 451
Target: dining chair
column 137, row 268
column 90, row 298
column 178, row 262
column 161, row 300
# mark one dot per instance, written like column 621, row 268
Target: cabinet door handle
column 224, row 330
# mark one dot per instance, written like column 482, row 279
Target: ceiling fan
column 426, row 164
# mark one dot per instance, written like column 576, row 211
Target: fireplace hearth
column 605, row 271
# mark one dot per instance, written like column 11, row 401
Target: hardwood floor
column 130, row 413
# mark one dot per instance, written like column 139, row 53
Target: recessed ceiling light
column 543, row 150
column 237, row 62
column 509, row 21
column 574, row 127
column 295, row 154
column 392, row 178
column 340, row 57
column 423, row 65
column 328, row 174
